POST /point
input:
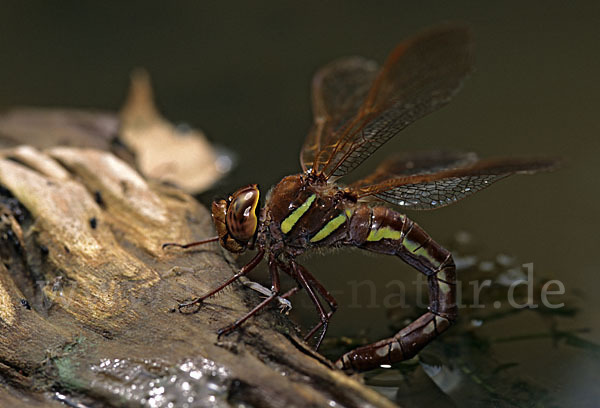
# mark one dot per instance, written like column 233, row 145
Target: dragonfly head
column 236, row 219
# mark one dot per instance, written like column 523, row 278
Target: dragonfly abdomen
column 383, row 230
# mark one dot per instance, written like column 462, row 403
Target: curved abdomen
column 383, row 230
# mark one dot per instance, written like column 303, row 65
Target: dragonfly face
column 357, row 108
column 236, row 218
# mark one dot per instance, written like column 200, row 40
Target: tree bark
column 87, row 297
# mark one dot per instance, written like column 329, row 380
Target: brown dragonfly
column 357, row 108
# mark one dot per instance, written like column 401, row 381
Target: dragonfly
column 357, row 108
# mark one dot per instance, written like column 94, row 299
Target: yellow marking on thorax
column 383, row 233
column 331, row 226
column 292, row 219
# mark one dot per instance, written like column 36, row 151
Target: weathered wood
column 80, row 242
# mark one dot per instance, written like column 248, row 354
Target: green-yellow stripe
column 292, row 219
column 410, row 245
column 383, row 233
column 331, row 226
column 420, row 250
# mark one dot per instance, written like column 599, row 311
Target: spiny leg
column 275, row 288
column 290, row 292
column 190, row 244
column 287, row 269
column 420, row 251
column 245, row 269
column 299, row 274
column 331, row 302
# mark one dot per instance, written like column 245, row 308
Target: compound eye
column 241, row 219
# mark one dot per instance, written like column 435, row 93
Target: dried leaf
column 163, row 151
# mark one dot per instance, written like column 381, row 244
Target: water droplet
column 464, row 262
column 505, row 260
column 476, row 322
column 463, row 237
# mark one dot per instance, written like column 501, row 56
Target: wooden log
column 87, row 297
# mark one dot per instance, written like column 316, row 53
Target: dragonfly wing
column 409, row 164
column 419, row 76
column 338, row 91
column 435, row 190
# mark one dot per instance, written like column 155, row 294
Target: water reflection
column 153, row 383
column 492, row 355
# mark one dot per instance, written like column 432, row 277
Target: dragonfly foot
column 225, row 331
column 183, row 305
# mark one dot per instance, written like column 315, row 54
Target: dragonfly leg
column 307, row 281
column 417, row 249
column 245, row 269
column 331, row 302
column 290, row 292
column 189, row 244
column 329, row 299
column 275, row 288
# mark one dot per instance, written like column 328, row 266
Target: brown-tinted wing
column 416, row 163
column 338, row 91
column 430, row 191
column 419, row 76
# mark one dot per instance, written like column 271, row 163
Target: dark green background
column 241, row 70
